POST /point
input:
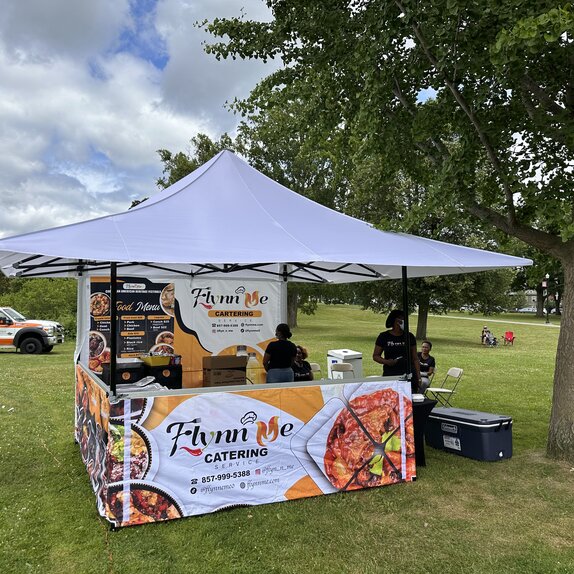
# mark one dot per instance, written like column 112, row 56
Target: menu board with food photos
column 145, row 318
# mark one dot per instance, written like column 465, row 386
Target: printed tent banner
column 194, row 318
column 226, row 219
column 164, row 457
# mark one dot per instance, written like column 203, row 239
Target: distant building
column 530, row 297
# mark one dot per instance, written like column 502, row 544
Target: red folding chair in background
column 509, row 338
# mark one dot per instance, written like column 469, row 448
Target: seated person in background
column 483, row 334
column 490, row 340
column 301, row 367
column 427, row 364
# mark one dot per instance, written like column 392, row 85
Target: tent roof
column 228, row 219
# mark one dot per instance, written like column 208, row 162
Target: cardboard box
column 224, row 370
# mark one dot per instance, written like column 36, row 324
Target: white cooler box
column 345, row 356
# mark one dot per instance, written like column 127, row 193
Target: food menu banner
column 145, row 318
column 184, row 455
column 226, row 316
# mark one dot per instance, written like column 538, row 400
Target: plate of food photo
column 97, row 344
column 147, row 502
column 167, row 299
column 165, row 337
column 360, row 445
column 99, row 305
column 140, row 453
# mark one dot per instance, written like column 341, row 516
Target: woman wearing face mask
column 390, row 349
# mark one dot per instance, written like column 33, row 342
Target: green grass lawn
column 460, row 516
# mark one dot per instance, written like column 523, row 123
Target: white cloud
column 65, row 27
column 86, row 100
column 191, row 75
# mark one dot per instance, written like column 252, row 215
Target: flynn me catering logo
column 241, row 297
column 225, row 445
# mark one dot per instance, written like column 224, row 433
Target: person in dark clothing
column 301, row 367
column 427, row 365
column 279, row 356
column 390, row 350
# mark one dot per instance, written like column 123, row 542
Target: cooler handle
column 501, row 425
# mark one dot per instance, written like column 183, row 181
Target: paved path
column 486, row 320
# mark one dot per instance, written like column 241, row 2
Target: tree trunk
column 422, row 319
column 561, row 432
column 539, row 301
column 292, row 301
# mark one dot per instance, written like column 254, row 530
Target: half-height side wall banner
column 183, row 455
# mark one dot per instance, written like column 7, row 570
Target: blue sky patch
column 141, row 38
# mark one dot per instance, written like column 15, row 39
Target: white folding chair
column 444, row 393
column 342, row 371
column 426, row 382
column 316, row 370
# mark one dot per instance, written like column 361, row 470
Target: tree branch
column 547, row 102
column 535, row 115
column 461, row 101
column 539, row 239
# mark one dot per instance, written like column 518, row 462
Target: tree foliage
column 495, row 140
column 358, row 181
column 180, row 164
column 46, row 299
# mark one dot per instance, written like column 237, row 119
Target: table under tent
column 201, row 270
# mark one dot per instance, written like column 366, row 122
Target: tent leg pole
column 113, row 326
column 407, row 330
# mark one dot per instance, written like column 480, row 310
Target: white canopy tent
column 228, row 219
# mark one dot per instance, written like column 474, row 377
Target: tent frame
column 27, row 269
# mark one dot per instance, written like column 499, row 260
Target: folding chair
column 342, row 371
column 509, row 338
column 444, row 393
column 316, row 370
column 426, row 382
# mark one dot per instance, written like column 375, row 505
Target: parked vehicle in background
column 526, row 310
column 30, row 336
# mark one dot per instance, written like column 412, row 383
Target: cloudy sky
column 91, row 89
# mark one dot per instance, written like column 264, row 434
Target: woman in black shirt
column 427, row 365
column 279, row 356
column 301, row 367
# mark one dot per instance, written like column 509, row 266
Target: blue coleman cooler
column 482, row 436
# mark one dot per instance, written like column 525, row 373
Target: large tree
column 497, row 132
column 343, row 174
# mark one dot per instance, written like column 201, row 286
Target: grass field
column 460, row 516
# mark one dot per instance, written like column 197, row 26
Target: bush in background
column 44, row 298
